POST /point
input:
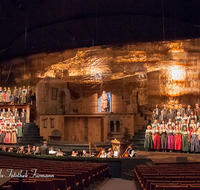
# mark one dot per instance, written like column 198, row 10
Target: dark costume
column 185, row 141
column 163, row 138
column 44, row 150
column 148, row 142
column 194, row 142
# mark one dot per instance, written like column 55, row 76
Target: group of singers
column 11, row 126
column 19, row 95
column 173, row 129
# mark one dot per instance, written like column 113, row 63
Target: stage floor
column 168, row 157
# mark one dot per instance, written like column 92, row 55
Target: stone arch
column 56, row 132
column 117, row 124
column 118, row 128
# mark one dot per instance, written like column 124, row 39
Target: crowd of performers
column 11, row 126
column 174, row 130
column 18, row 95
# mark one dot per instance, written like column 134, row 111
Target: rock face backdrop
column 158, row 72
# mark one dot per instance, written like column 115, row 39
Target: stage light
column 177, row 73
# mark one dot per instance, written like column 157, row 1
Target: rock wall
column 160, row 72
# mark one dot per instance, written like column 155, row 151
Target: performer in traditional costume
column 28, row 95
column 156, row 140
column 1, row 117
column 185, row 118
column 177, row 139
column 20, row 95
column 8, row 123
column 184, row 124
column 15, row 94
column 197, row 112
column 185, row 140
column 191, row 127
column 3, row 113
column 104, row 101
column 163, row 138
column 195, row 141
column 12, row 118
column 3, row 133
column 1, row 94
column 170, row 123
column 14, row 135
column 8, row 95
column 24, row 92
column 7, row 139
column 19, row 129
column 9, row 112
column 178, row 119
column 163, row 125
column 192, row 117
column 4, row 94
column 170, row 139
column 155, row 124
column 148, row 143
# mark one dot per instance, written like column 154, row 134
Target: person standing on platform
column 14, row 135
column 195, row 141
column 23, row 120
column 177, row 139
column 8, row 112
column 154, row 117
column 188, row 110
column 197, row 112
column 174, row 110
column 1, row 94
column 163, row 138
column 148, row 143
column 24, row 92
column 28, row 95
column 156, row 139
column 16, row 112
column 171, row 115
column 104, row 101
column 165, row 110
column 157, row 110
column 17, row 117
column 185, row 140
column 8, row 95
column 23, row 111
column 15, row 94
column 181, row 110
column 3, row 131
column 19, row 95
column 192, row 117
column 183, row 125
column 7, row 139
column 162, row 117
column 19, row 129
column 4, row 94
column 44, row 149
column 170, row 123
column 155, row 124
column 178, row 119
column 170, row 139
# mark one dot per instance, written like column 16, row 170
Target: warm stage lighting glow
column 177, row 73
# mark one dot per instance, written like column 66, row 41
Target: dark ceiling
column 32, row 26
